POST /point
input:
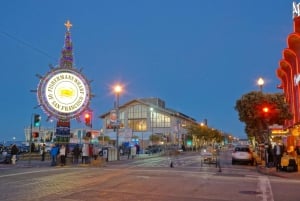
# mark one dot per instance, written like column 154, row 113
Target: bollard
column 13, row 159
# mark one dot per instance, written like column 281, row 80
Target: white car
column 242, row 154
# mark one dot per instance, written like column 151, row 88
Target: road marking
column 23, row 173
column 265, row 189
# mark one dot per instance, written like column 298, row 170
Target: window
column 160, row 120
column 137, row 117
column 137, row 124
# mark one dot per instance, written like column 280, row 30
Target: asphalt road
column 146, row 180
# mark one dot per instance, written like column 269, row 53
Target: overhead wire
column 42, row 52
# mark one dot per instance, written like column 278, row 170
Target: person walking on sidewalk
column 43, row 152
column 277, row 153
column 62, row 153
column 14, row 152
column 76, row 153
column 85, row 153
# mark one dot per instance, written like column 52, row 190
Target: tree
column 250, row 109
column 203, row 135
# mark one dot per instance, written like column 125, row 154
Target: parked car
column 24, row 149
column 242, row 154
column 6, row 157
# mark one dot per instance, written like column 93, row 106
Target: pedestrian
column 62, row 153
column 121, row 151
column 43, row 152
column 54, row 153
column 271, row 161
column 137, row 149
column 129, row 152
column 278, row 154
column 90, row 153
column 76, row 153
column 14, row 152
column 32, row 147
column 85, row 153
column 95, row 152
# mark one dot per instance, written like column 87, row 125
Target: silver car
column 242, row 154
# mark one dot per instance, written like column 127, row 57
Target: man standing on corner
column 14, row 152
column 277, row 153
column 54, row 153
column 43, row 152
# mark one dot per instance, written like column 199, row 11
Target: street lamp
column 260, row 83
column 117, row 90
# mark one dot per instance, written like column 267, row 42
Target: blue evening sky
column 199, row 56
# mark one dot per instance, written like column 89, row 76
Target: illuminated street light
column 260, row 83
column 117, row 89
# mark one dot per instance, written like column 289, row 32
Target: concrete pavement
column 36, row 163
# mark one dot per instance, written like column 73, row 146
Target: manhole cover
column 250, row 192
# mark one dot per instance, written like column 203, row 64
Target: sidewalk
column 282, row 174
column 37, row 163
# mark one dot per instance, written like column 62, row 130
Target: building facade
column 139, row 119
column 289, row 74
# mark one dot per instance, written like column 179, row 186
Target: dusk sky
column 198, row 56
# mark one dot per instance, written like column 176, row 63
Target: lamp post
column 151, row 110
column 117, row 90
column 178, row 122
column 260, row 83
column 142, row 130
column 266, row 116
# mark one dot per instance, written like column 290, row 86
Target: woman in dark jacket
column 14, row 152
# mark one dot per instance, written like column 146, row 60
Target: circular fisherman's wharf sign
column 64, row 93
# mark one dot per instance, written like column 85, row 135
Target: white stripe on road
column 264, row 187
column 23, row 173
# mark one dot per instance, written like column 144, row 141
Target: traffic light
column 265, row 110
column 87, row 119
column 37, row 120
column 35, row 134
column 88, row 134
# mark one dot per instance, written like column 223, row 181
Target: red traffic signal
column 88, row 119
column 35, row 134
column 88, row 134
column 265, row 110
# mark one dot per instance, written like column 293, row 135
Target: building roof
column 156, row 104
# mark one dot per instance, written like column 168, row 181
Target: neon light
column 296, row 9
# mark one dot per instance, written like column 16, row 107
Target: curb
column 270, row 172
